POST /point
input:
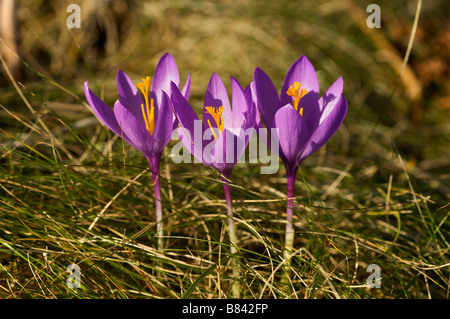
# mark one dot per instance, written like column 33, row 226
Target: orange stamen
column 149, row 111
column 297, row 93
column 216, row 113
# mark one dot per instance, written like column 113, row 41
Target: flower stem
column 235, row 288
column 289, row 241
column 154, row 165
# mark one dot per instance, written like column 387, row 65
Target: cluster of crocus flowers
column 304, row 121
column 146, row 115
column 143, row 117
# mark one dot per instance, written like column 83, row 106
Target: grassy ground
column 378, row 193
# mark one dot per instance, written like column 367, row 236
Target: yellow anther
column 297, row 93
column 148, row 111
column 216, row 113
column 149, row 117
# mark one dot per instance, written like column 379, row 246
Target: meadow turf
column 71, row 192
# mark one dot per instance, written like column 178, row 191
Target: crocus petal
column 239, row 103
column 186, row 91
column 252, row 99
column 216, row 96
column 326, row 129
column 187, row 87
column 103, row 112
column 267, row 97
column 250, row 115
column 132, row 128
column 301, row 71
column 187, row 119
column 163, row 126
column 183, row 110
column 227, row 150
column 292, row 132
column 241, row 142
column 129, row 95
column 166, row 72
column 330, row 99
column 311, row 110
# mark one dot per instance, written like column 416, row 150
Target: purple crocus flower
column 145, row 122
column 222, row 137
column 304, row 121
column 220, row 140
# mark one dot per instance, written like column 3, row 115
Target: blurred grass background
column 378, row 193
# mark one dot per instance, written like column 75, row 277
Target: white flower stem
column 289, row 240
column 235, row 287
column 154, row 166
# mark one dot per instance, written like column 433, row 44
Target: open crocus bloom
column 305, row 123
column 220, row 140
column 146, row 122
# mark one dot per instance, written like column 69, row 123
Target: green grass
column 72, row 193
